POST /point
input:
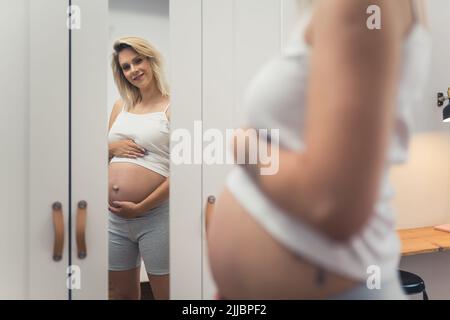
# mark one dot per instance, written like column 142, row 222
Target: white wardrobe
column 217, row 47
column 54, row 151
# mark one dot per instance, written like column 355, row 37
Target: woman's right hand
column 126, row 149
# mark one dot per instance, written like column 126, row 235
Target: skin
column 134, row 190
column 337, row 177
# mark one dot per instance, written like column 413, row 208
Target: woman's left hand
column 125, row 209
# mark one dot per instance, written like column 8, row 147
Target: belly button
column 115, row 188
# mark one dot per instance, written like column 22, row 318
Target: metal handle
column 441, row 98
column 209, row 209
column 58, row 225
column 81, row 229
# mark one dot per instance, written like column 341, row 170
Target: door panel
column 89, row 147
column 14, row 87
column 185, row 181
column 48, row 157
column 239, row 37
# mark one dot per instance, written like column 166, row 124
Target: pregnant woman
column 322, row 226
column 138, row 171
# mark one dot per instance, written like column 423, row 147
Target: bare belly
column 131, row 182
column 247, row 263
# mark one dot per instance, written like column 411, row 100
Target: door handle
column 81, row 229
column 209, row 209
column 58, row 226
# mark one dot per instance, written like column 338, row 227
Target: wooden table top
column 423, row 240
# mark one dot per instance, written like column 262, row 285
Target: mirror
column 138, row 146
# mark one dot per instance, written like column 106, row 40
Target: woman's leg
column 160, row 286
column 125, row 285
column 124, row 261
column 154, row 249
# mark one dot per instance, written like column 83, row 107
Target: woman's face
column 136, row 68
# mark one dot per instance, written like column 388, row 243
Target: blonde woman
column 138, row 171
column 322, row 226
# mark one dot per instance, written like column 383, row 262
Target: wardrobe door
column 47, row 257
column 239, row 38
column 14, row 141
column 89, row 156
column 185, row 179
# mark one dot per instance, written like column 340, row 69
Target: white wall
column 423, row 184
column 428, row 116
column 14, row 94
column 148, row 19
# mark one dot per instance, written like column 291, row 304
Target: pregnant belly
column 246, row 262
column 131, row 182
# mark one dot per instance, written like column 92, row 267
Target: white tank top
column 149, row 130
column 276, row 99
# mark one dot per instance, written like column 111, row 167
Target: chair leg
column 425, row 296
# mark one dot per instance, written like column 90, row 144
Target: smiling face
column 136, row 68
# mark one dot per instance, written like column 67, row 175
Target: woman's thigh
column 153, row 240
column 123, row 249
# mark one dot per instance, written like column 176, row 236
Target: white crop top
column 150, row 131
column 276, row 99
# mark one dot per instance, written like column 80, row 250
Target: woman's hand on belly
column 126, row 149
column 126, row 209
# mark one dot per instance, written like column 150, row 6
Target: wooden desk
column 423, row 240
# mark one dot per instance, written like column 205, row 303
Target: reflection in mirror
column 138, row 144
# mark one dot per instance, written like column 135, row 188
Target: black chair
column 412, row 284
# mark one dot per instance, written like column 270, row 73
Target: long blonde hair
column 129, row 93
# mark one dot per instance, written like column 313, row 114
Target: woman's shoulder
column 116, row 110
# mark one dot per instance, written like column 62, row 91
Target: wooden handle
column 209, row 209
column 58, row 225
column 81, row 229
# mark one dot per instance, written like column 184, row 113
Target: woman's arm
column 158, row 196
column 333, row 184
column 122, row 148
